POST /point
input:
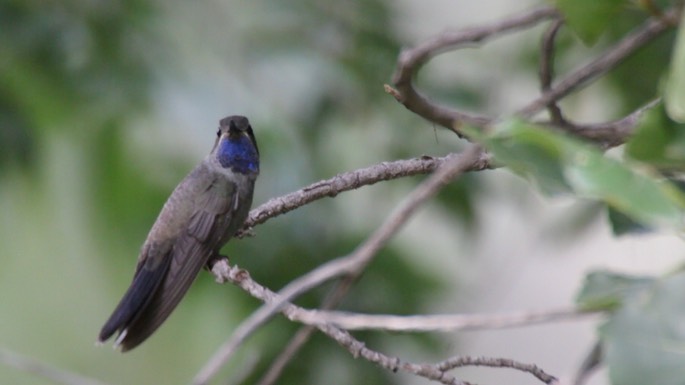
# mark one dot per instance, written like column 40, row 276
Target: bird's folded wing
column 189, row 254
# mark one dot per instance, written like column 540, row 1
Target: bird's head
column 236, row 146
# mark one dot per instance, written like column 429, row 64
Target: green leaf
column 589, row 18
column 607, row 290
column 622, row 224
column 675, row 87
column 527, row 154
column 557, row 162
column 658, row 140
column 642, row 196
column 645, row 340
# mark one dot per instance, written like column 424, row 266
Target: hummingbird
column 203, row 212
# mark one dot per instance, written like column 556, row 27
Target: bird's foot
column 213, row 260
column 219, row 267
column 244, row 233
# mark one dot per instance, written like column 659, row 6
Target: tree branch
column 350, row 181
column 448, row 323
column 461, row 361
column 609, row 133
column 356, row 261
column 305, row 332
column 436, row 372
column 433, row 323
column 288, row 353
column 591, row 362
column 352, row 265
column 547, row 68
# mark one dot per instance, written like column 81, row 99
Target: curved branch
column 607, row 133
column 410, row 60
column 461, row 361
column 350, row 181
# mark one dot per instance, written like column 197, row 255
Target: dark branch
column 589, row 365
column 547, row 68
column 608, row 134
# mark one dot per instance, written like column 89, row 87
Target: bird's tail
column 142, row 290
column 142, row 313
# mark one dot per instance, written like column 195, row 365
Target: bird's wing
column 212, row 212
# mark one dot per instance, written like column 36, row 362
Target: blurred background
column 106, row 105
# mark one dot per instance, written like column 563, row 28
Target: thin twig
column 609, row 134
column 547, row 68
column 433, row 323
column 654, row 9
column 461, row 361
column 288, row 353
column 33, row 366
column 304, row 333
column 589, row 365
column 357, row 260
column 412, row 323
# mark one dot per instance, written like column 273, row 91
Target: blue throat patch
column 239, row 154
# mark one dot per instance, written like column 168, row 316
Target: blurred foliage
column 87, row 158
column 558, row 162
column 622, row 224
column 642, row 335
column 609, row 290
column 658, row 140
column 589, row 18
column 71, row 65
column 602, row 24
column 674, row 95
column 77, row 77
column 652, row 61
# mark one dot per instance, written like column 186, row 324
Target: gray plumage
column 200, row 216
